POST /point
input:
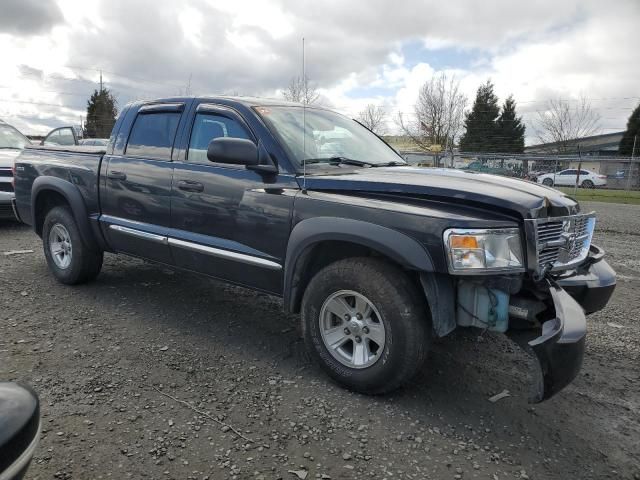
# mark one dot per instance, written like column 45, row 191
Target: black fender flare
column 401, row 248
column 73, row 196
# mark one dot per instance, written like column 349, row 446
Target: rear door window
column 207, row 127
column 152, row 135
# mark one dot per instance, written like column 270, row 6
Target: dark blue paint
column 273, row 214
column 251, row 212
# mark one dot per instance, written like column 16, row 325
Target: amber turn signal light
column 463, row 241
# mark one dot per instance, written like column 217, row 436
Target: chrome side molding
column 226, row 254
column 196, row 247
column 140, row 234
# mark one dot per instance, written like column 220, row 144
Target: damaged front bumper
column 559, row 349
column 592, row 284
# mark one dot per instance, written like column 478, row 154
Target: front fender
column 395, row 245
column 70, row 192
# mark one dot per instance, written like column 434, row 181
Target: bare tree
column 438, row 112
column 374, row 118
column 301, row 90
column 561, row 123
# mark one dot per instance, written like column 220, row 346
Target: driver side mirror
column 236, row 151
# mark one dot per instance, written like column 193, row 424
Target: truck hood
column 7, row 156
column 528, row 199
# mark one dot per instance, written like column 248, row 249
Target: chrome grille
column 564, row 241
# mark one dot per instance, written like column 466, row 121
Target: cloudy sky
column 358, row 52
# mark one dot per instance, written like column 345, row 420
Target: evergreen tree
column 510, row 129
column 101, row 114
column 633, row 129
column 482, row 133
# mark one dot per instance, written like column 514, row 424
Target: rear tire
column 69, row 259
column 383, row 297
column 587, row 184
column 548, row 182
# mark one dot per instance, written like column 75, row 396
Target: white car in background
column 567, row 178
column 11, row 144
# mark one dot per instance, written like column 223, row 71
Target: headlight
column 473, row 251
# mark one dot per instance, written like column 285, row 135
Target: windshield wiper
column 391, row 164
column 338, row 160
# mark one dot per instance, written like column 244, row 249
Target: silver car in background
column 11, row 144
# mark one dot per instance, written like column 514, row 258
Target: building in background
column 597, row 145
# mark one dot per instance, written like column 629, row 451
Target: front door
column 136, row 200
column 228, row 221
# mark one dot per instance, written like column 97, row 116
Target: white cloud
column 355, row 53
column 191, row 22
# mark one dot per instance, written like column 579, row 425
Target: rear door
column 567, row 177
column 136, row 193
column 228, row 221
column 587, row 175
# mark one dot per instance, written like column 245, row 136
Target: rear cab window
column 152, row 135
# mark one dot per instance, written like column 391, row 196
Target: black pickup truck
column 301, row 202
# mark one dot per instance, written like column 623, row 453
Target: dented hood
column 528, row 199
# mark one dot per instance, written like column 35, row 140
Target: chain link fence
column 613, row 173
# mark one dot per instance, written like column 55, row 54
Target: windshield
column 327, row 138
column 12, row 138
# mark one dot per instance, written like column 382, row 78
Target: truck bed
column 79, row 165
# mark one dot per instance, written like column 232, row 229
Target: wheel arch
column 316, row 242
column 50, row 192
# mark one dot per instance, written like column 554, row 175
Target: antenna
column 304, row 125
column 187, row 90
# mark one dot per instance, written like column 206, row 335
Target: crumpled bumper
column 592, row 284
column 559, row 350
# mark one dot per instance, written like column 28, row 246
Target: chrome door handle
column 189, row 186
column 115, row 175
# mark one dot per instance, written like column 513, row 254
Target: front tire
column 548, row 182
column 69, row 259
column 383, row 342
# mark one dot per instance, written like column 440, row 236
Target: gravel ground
column 151, row 373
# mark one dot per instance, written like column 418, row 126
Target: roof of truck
column 247, row 101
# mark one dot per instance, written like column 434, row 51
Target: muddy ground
column 106, row 358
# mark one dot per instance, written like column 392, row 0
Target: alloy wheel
column 60, row 246
column 352, row 329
